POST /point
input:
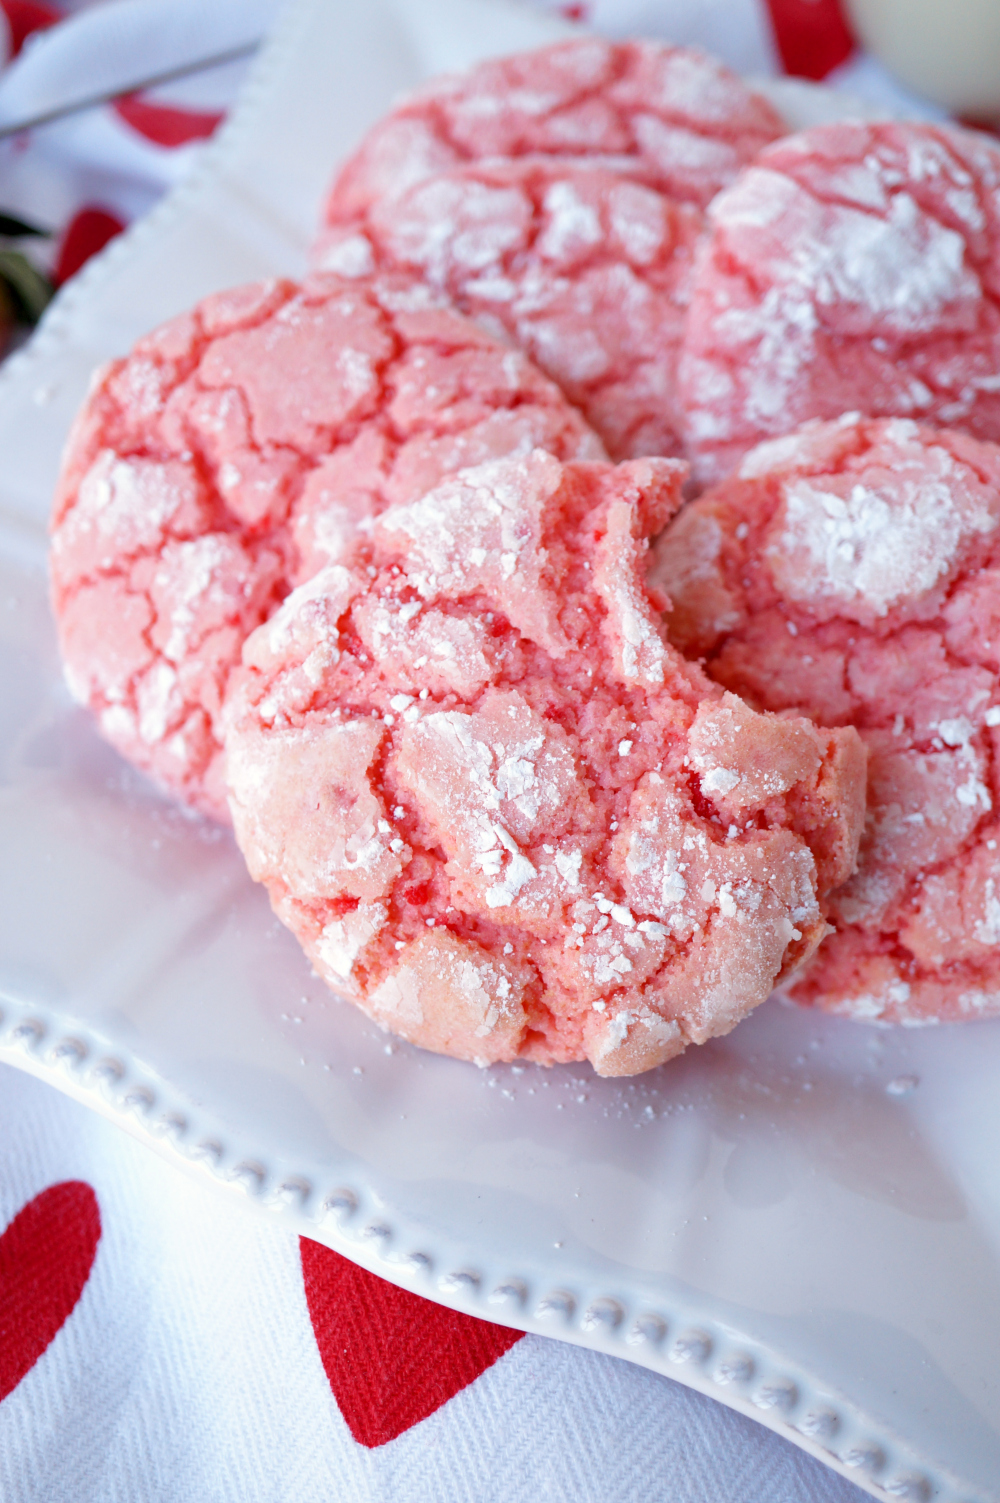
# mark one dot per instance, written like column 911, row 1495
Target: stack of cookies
column 582, row 592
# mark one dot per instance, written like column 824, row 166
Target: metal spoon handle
column 202, row 65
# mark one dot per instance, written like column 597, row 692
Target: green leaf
column 30, row 291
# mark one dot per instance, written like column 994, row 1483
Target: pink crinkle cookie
column 581, row 267
column 236, row 450
column 674, row 116
column 851, row 572
column 500, row 812
column 852, row 267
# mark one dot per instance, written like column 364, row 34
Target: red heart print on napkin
column 24, row 18
column 812, row 36
column 164, row 124
column 87, row 233
column 46, row 1255
column 391, row 1358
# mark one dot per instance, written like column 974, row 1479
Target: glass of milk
column 949, row 52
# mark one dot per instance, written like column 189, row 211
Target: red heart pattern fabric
column 190, row 1369
column 46, row 1254
column 87, row 233
column 391, row 1358
column 24, row 18
column 812, row 36
column 165, row 124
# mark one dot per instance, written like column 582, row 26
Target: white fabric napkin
column 188, row 1372
column 95, row 158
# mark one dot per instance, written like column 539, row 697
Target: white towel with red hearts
column 159, row 1344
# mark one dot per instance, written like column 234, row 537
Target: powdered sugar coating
column 851, row 572
column 854, row 266
column 677, row 117
column 583, row 268
column 235, row 451
column 499, row 811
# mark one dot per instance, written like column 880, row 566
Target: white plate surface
column 802, row 1219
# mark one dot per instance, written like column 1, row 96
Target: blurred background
column 105, row 104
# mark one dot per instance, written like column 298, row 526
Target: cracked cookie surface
column 499, row 811
column 671, row 116
column 852, row 267
column 584, row 269
column 851, row 572
column 236, row 450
